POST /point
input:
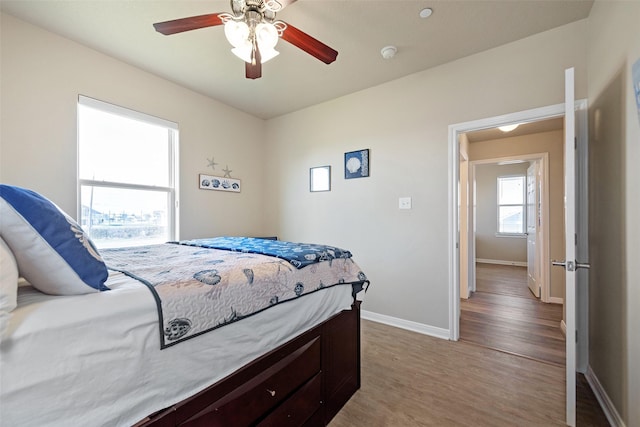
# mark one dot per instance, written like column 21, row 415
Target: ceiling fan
column 253, row 32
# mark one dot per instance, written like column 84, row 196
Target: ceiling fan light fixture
column 266, row 38
column 243, row 52
column 237, row 32
column 267, row 54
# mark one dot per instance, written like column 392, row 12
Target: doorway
column 455, row 227
column 516, row 203
column 499, row 232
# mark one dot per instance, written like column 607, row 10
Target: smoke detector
column 388, row 52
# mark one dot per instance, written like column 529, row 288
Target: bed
column 121, row 347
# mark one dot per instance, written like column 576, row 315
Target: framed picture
column 320, row 178
column 210, row 182
column 356, row 164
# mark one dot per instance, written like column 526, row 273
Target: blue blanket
column 298, row 254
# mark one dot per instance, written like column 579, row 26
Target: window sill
column 512, row 235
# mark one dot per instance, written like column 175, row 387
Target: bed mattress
column 95, row 359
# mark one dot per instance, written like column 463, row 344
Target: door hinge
column 576, row 335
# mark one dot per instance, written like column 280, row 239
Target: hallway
column 504, row 315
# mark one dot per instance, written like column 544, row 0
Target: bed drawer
column 297, row 409
column 250, row 402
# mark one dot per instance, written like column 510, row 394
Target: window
column 127, row 175
column 511, row 205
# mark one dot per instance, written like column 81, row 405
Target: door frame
column 536, row 114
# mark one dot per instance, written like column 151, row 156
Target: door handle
column 583, row 265
column 571, row 265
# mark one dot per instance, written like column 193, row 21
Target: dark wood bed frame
column 304, row 382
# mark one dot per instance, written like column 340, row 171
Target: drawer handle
column 271, row 392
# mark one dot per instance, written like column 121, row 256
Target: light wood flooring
column 410, row 379
column 503, row 314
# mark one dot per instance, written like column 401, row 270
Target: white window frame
column 524, row 207
column 173, row 186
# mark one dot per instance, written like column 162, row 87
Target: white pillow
column 52, row 251
column 8, row 284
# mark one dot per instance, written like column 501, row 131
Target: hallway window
column 511, row 205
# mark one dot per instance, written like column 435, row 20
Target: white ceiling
column 202, row 61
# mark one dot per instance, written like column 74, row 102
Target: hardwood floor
column 504, row 315
column 410, row 379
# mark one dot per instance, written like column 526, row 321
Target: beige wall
column 41, row 77
column 545, row 142
column 488, row 246
column 614, row 235
column 405, row 124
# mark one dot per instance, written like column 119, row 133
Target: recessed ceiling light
column 508, row 128
column 426, row 12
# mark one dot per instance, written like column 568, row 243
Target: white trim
column 420, row 328
column 501, row 262
column 606, row 404
column 511, row 235
column 582, row 228
column 454, row 244
column 125, row 112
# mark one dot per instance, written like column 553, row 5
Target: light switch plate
column 404, row 203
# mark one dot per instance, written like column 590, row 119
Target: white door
column 570, row 248
column 570, row 264
column 532, row 220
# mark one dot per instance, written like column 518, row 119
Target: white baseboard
column 555, row 300
column 607, row 406
column 421, row 328
column 563, row 327
column 501, row 262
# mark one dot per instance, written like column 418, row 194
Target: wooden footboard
column 304, row 382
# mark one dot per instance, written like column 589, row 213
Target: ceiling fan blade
column 309, row 44
column 188, row 24
column 253, row 71
column 277, row 5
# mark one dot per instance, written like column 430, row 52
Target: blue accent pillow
column 52, row 251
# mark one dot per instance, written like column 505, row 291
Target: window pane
column 116, row 217
column 510, row 219
column 511, row 190
column 140, row 150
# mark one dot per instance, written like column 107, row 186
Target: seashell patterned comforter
column 200, row 285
